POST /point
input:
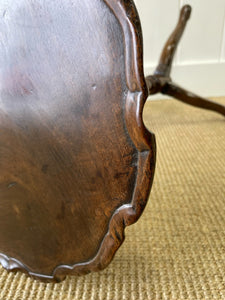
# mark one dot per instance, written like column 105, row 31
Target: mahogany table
column 76, row 161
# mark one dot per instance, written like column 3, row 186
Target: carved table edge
column 144, row 141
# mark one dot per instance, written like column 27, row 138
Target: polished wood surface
column 76, row 161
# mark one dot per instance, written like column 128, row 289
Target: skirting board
column 206, row 79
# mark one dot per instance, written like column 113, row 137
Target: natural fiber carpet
column 177, row 248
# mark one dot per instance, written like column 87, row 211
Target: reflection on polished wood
column 76, row 161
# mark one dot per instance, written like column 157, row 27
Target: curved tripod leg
column 187, row 97
column 162, row 72
column 160, row 81
column 166, row 59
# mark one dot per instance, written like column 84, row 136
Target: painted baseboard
column 206, row 79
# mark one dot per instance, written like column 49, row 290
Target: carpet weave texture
column 177, row 248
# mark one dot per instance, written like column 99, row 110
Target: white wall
column 200, row 60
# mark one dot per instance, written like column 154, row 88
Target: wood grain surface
column 76, row 162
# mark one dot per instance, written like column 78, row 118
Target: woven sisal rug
column 177, row 249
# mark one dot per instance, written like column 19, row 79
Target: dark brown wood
column 187, row 97
column 76, row 161
column 169, row 50
column 161, row 76
column 161, row 82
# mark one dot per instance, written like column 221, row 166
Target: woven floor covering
column 177, row 248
